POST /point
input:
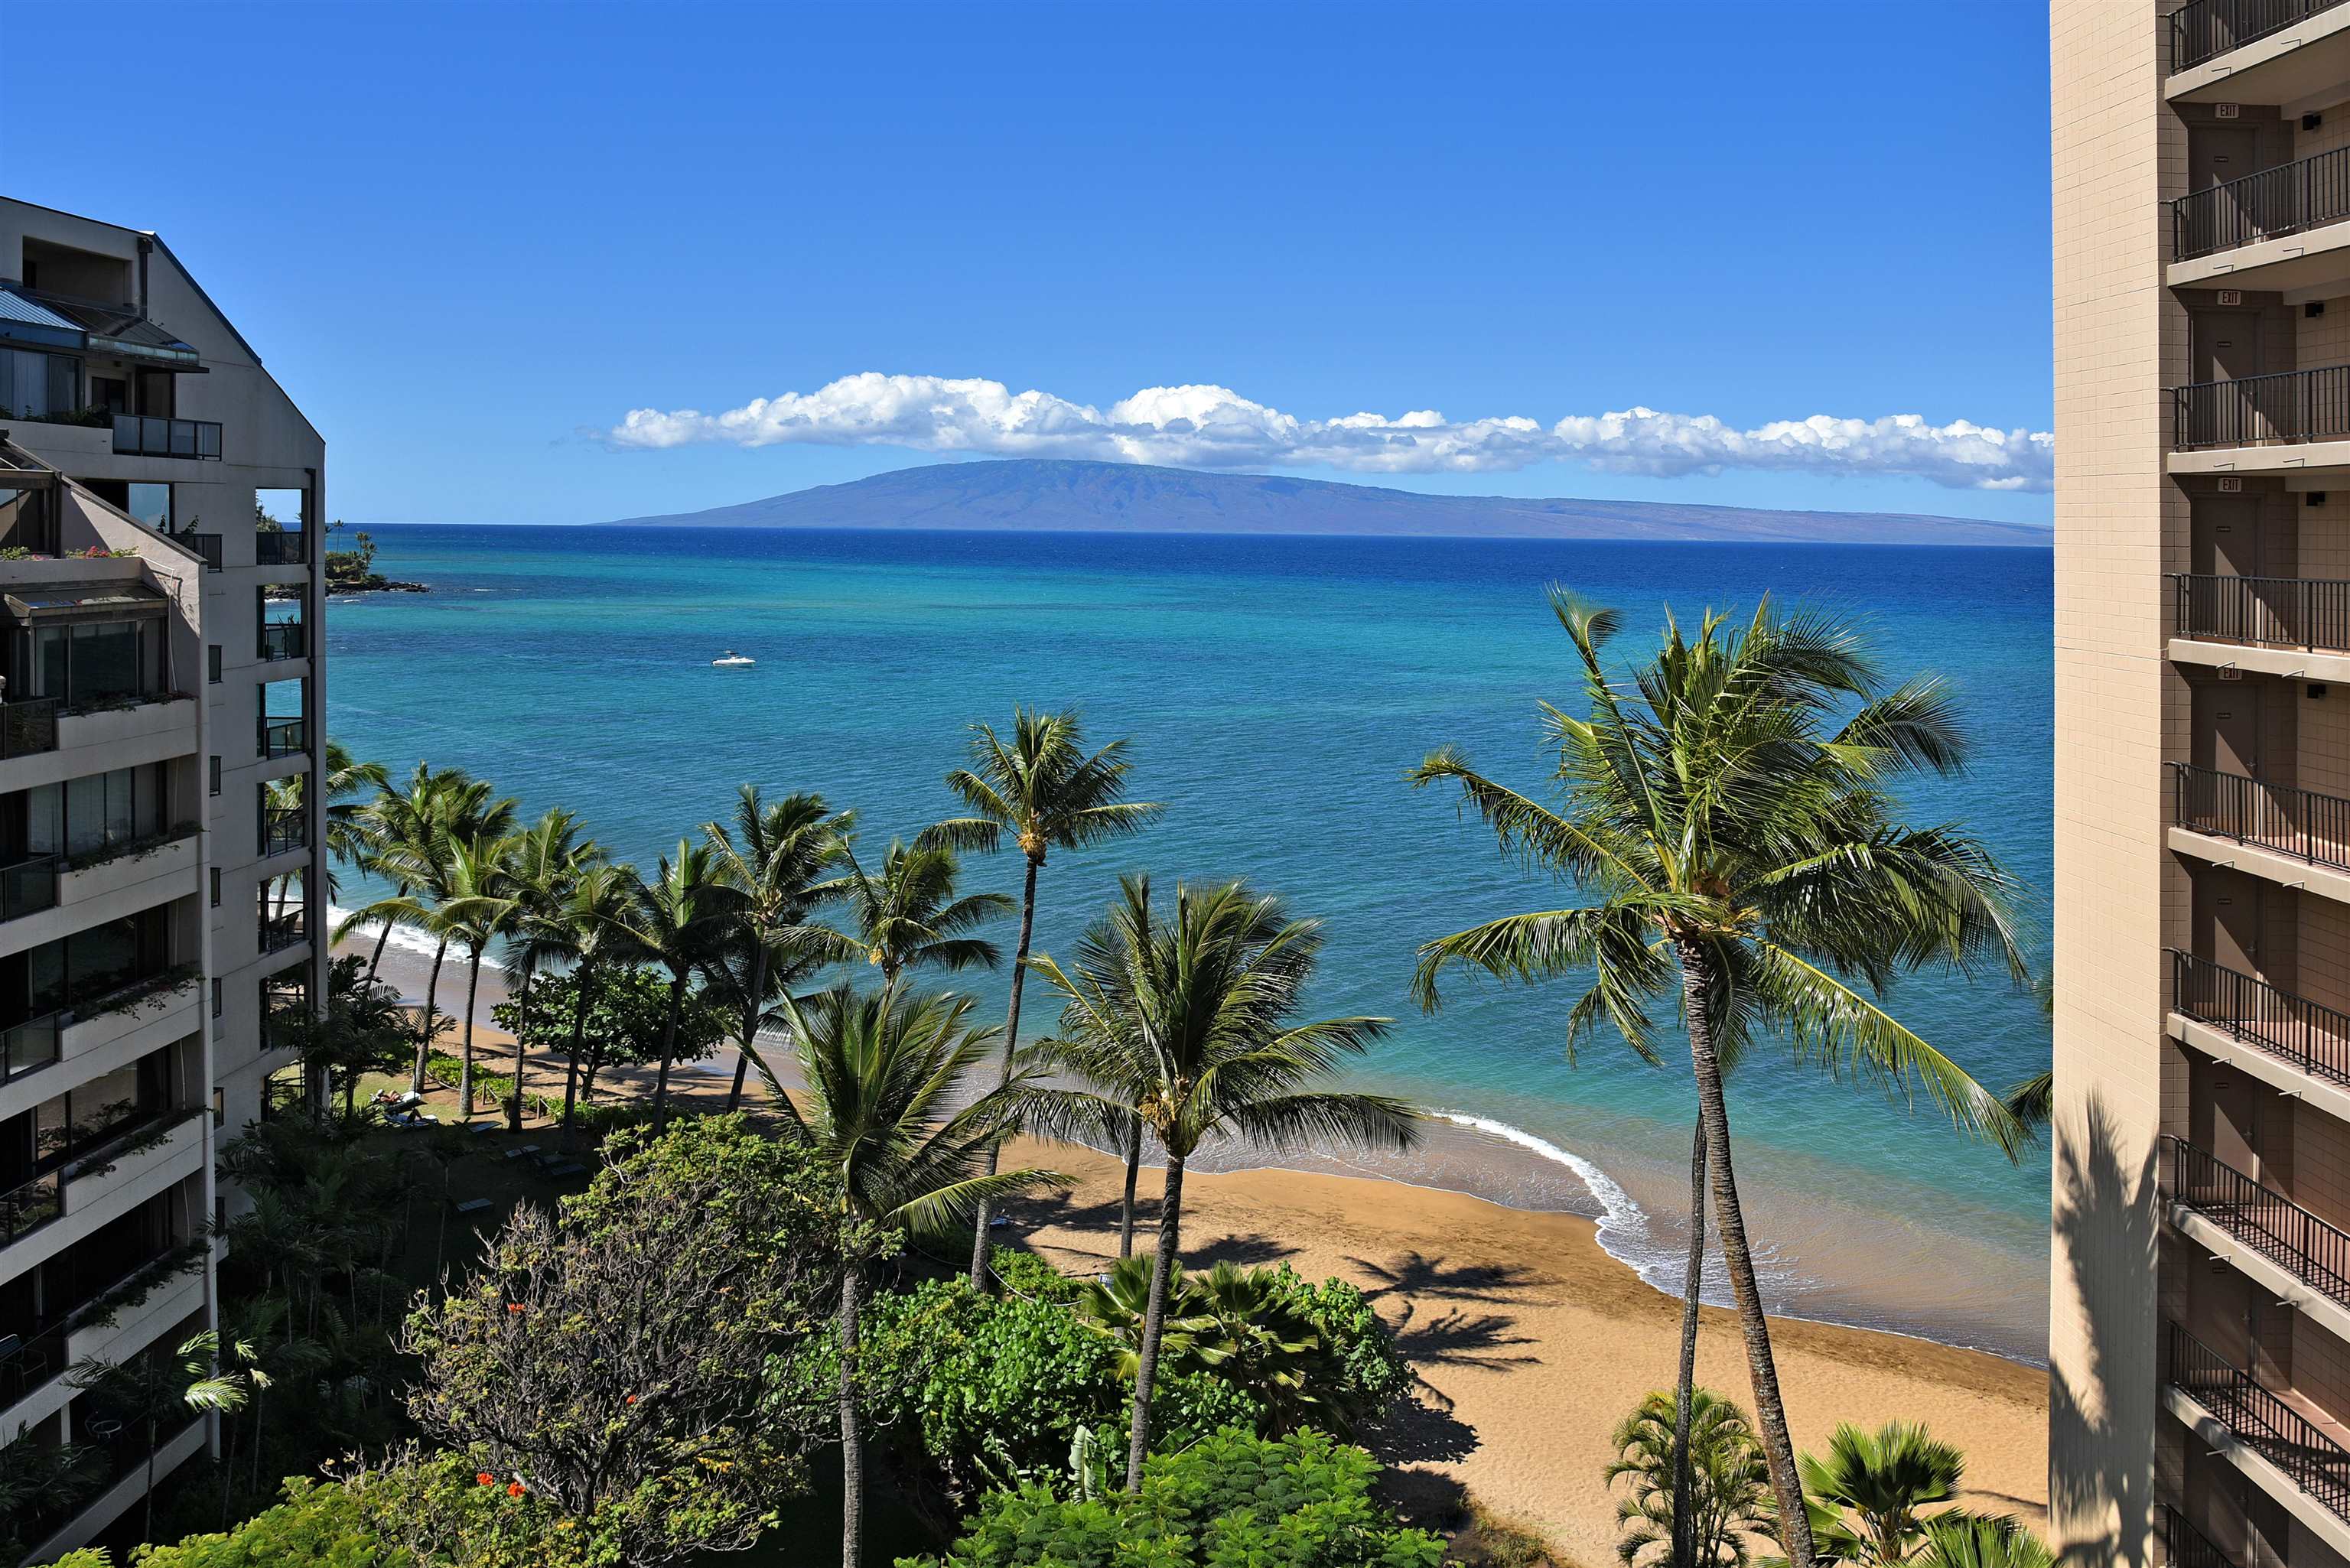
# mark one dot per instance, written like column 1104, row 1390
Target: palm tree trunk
column 465, row 1068
column 669, row 1047
column 522, row 1051
column 1154, row 1320
column 1770, row 1409
column 147, row 1529
column 1011, row 1046
column 1125, row 1209
column 424, row 1041
column 1685, row 1387
column 579, row 1043
column 752, row 1006
column 374, row 959
column 852, row 1441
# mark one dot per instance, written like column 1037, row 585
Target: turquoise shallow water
column 1275, row 690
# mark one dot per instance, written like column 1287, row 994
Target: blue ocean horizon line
column 1275, row 688
column 795, row 530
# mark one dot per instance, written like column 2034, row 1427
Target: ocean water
column 1275, row 691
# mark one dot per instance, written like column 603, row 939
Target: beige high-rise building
column 161, row 575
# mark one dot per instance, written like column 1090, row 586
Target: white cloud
column 1215, row 427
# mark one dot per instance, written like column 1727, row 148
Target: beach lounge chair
column 481, row 1126
column 571, row 1168
column 469, row 1206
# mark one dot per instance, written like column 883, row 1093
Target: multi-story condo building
column 161, row 712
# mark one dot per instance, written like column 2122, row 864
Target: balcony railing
column 281, row 548
column 279, row 932
column 206, row 545
column 2209, row 28
column 31, row 1045
column 284, row 829
column 28, row 726
column 2296, row 822
column 29, row 886
column 2261, row 1217
column 2274, row 203
column 285, row 639
column 2184, row 1546
column 2290, row 406
column 280, row 737
column 2273, row 612
column 2295, row 1030
column 141, row 435
column 29, row 1206
column 2263, row 1422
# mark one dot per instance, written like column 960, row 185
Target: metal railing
column 280, row 737
column 2184, row 1546
column 2289, row 405
column 29, row 886
column 207, row 548
column 28, row 726
column 284, row 829
column 285, row 639
column 279, row 932
column 2277, row 612
column 2276, row 1431
column 2209, row 28
column 2261, row 1217
column 29, row 1205
column 31, row 1045
column 142, row 435
column 2295, row 1030
column 2296, row 822
column 281, row 548
column 2286, row 199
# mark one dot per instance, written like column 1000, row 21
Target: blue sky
column 471, row 240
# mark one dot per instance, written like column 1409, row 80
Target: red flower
column 514, row 1489
column 485, row 1478
column 632, row 1398
column 514, row 1306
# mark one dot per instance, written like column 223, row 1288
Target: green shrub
column 1232, row 1501
column 1022, row 1273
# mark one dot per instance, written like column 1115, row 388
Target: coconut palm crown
column 1726, row 814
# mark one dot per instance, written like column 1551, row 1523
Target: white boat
column 731, row 659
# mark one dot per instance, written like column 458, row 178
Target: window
column 219, row 1095
column 96, row 810
column 29, row 519
column 216, row 887
column 94, row 661
column 112, row 393
column 213, row 662
column 217, row 994
column 34, row 385
column 215, row 778
column 150, row 505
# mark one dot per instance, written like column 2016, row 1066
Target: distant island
column 1057, row 496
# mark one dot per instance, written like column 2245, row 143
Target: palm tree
column 591, row 930
column 475, row 906
column 1862, row 1497
column 1961, row 1539
column 415, row 850
column 1745, row 859
column 1727, row 1494
column 884, row 1072
column 774, row 857
column 910, row 918
column 680, row 920
column 1043, row 789
column 151, row 1389
column 543, row 862
column 1186, row 1024
column 345, row 780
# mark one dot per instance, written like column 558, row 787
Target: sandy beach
column 1531, row 1341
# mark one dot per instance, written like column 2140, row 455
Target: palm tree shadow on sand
column 2104, row 1424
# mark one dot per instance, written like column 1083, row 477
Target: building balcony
column 281, row 548
column 281, row 738
column 284, row 640
column 2257, row 51
column 117, row 1158
column 283, row 830
column 125, row 733
column 2294, row 837
column 98, row 1035
column 2281, row 621
column 29, row 886
column 2310, row 1038
column 2282, row 228
column 2300, row 1248
column 206, row 545
column 278, row 932
column 126, row 1462
column 28, row 726
column 141, row 435
column 2184, row 1546
column 2262, row 1433
column 2288, row 408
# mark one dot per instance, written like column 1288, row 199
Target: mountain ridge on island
column 1067, row 495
